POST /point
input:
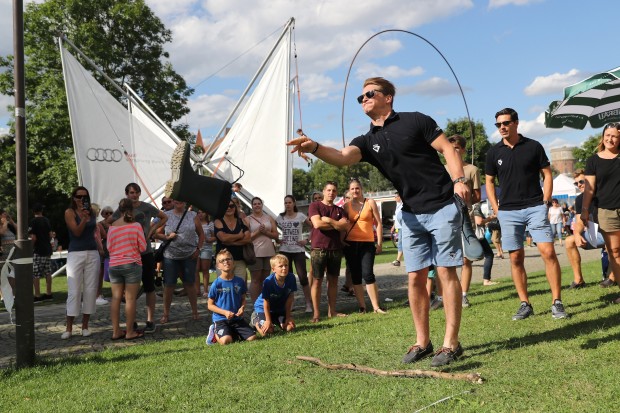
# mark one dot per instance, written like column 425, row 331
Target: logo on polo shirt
column 499, row 162
column 376, row 147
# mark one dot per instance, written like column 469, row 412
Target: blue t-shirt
column 227, row 295
column 275, row 294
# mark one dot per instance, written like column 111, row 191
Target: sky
column 505, row 53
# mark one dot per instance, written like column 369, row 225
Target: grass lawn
column 535, row 365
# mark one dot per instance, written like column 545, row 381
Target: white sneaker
column 101, row 301
column 211, row 340
column 86, row 332
column 66, row 335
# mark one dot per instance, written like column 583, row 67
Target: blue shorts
column 237, row 328
column 433, row 238
column 513, row 225
column 126, row 274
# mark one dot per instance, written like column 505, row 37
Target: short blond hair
column 223, row 252
column 278, row 258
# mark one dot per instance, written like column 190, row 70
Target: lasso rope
column 346, row 82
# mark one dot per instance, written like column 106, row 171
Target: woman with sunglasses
column 232, row 234
column 360, row 252
column 603, row 181
column 291, row 221
column 82, row 261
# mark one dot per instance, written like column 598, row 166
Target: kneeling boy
column 275, row 303
column 227, row 302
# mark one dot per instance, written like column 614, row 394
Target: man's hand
column 462, row 190
column 580, row 241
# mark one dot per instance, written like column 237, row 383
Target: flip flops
column 139, row 334
column 122, row 336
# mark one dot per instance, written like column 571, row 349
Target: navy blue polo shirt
column 518, row 170
column 401, row 150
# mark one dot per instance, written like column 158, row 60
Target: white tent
column 563, row 186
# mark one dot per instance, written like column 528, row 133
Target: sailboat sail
column 256, row 140
column 113, row 146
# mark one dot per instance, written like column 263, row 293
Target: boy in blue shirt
column 275, row 303
column 227, row 302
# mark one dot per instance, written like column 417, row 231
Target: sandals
column 380, row 310
column 122, row 336
column 139, row 334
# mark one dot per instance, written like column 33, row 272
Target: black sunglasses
column 504, row 123
column 580, row 182
column 80, row 196
column 231, row 205
column 370, row 94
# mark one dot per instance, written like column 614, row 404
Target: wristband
column 316, row 148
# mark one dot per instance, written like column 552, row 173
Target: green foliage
column 304, row 183
column 481, row 140
column 587, row 149
column 126, row 40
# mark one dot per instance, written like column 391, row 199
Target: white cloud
column 553, row 83
column 210, row 111
column 367, row 70
column 318, row 87
column 433, row 87
column 495, row 4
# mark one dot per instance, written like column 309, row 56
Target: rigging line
column 471, row 125
column 297, row 81
column 236, row 58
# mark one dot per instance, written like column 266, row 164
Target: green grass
column 536, row 365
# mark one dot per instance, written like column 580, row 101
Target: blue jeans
column 184, row 268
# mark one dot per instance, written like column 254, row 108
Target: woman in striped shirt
column 125, row 242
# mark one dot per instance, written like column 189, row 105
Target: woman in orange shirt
column 360, row 252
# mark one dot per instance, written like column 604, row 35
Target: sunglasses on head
column 504, row 123
column 580, row 182
column 370, row 94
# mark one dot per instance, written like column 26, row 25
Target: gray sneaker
column 150, row 327
column 446, row 355
column 524, row 311
column 465, row 301
column 416, row 353
column 436, row 304
column 557, row 310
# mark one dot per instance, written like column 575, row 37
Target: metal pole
column 24, row 303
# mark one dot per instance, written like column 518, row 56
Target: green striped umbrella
column 595, row 99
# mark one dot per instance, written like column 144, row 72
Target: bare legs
column 552, row 269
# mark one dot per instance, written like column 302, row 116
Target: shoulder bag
column 249, row 256
column 159, row 252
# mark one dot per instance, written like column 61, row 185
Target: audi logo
column 104, row 155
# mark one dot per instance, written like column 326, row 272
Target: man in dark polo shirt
column 518, row 163
column 403, row 146
column 328, row 221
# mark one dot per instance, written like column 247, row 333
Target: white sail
column 256, row 141
column 112, row 146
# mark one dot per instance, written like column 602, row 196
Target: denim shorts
column 206, row 253
column 513, row 225
column 325, row 260
column 184, row 268
column 126, row 274
column 433, row 238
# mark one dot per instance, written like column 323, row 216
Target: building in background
column 562, row 159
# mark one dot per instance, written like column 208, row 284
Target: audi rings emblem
column 104, row 155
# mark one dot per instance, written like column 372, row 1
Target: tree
column 587, row 149
column 126, row 40
column 481, row 140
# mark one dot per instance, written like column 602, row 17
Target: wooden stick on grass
column 471, row 377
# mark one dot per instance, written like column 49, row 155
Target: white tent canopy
column 563, row 186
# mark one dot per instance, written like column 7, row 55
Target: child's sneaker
column 211, row 340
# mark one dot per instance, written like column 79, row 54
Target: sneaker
column 576, row 286
column 446, row 355
column 86, row 332
column 66, row 335
column 47, row 297
column 38, row 299
column 557, row 310
column 211, row 340
column 101, row 301
column 396, row 263
column 150, row 327
column 606, row 283
column 416, row 353
column 616, row 301
column 437, row 303
column 524, row 311
column 465, row 301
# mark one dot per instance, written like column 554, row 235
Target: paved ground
column 50, row 318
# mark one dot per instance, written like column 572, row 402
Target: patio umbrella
column 595, row 100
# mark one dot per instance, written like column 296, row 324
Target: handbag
column 249, row 256
column 158, row 255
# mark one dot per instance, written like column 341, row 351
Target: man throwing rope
column 404, row 146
